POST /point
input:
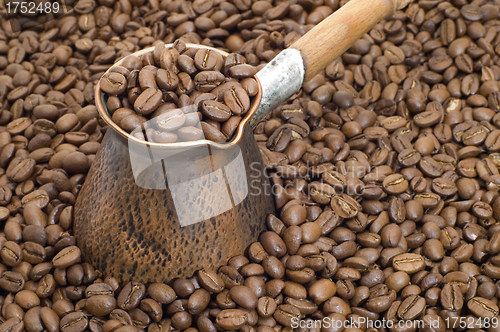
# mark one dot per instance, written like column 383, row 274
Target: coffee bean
column 76, row 321
column 113, row 83
column 451, row 297
column 130, row 295
column 148, row 101
column 171, row 120
column 243, row 296
column 231, row 319
column 210, row 281
column 285, row 313
column 12, row 281
column 322, row 290
column 412, row 306
column 20, row 169
column 345, row 206
column 67, row 257
column 208, row 60
column 395, row 184
column 100, row 304
column 482, row 307
column 198, row 301
column 206, row 81
column 167, row 79
column 237, row 100
column 409, row 263
column 215, row 111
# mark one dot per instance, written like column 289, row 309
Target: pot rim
column 104, row 113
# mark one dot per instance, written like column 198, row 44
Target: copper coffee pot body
column 134, row 233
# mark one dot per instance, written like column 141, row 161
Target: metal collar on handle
column 278, row 80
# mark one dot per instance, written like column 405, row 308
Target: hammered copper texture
column 133, row 233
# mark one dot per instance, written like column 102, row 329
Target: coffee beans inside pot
column 181, row 82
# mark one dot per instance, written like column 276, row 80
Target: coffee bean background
column 385, row 170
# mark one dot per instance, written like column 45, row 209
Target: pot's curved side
column 133, row 233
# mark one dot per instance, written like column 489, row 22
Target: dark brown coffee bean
column 322, row 290
column 205, row 81
column 285, row 313
column 67, row 257
column 231, row 319
column 210, row 281
column 412, row 306
column 444, row 187
column 12, row 281
column 198, row 301
column 210, row 132
column 345, row 206
column 20, row 169
column 113, row 83
column 482, row 307
column 99, row 305
column 244, row 297
column 208, row 60
column 395, row 184
column 237, row 100
column 215, row 111
column 451, row 297
column 148, row 101
column 130, row 295
column 75, row 321
column 409, row 263
column 11, row 253
column 273, row 244
column 167, row 79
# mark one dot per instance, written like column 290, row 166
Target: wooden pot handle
column 334, row 35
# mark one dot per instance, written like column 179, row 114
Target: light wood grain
column 334, row 35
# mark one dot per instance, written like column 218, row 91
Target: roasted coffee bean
column 285, row 314
column 237, row 99
column 161, row 293
column 451, row 297
column 114, row 83
column 130, row 295
column 198, row 301
column 206, row 81
column 167, row 79
column 215, row 111
column 409, row 263
column 76, row 321
column 208, row 60
column 482, row 307
column 171, row 120
column 231, row 319
column 395, row 184
column 345, row 206
column 210, row 281
column 148, row 101
column 12, row 281
column 67, row 257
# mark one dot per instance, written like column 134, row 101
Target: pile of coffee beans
column 385, row 170
column 190, row 93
